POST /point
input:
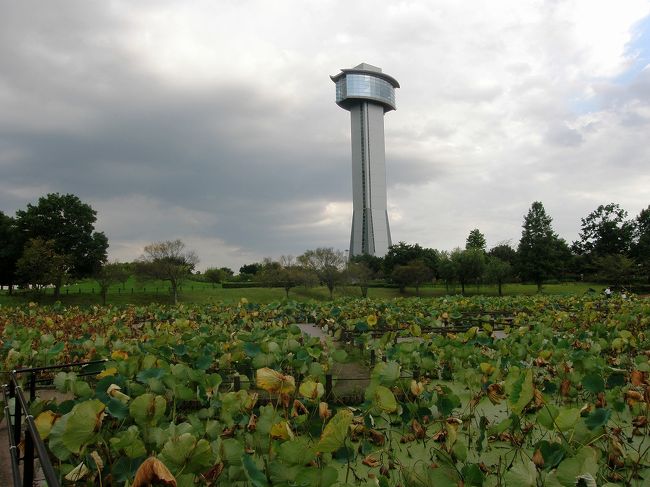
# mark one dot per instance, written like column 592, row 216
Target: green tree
column 416, row 272
column 475, row 240
column 217, row 275
column 470, row 264
column 498, row 271
column 327, row 264
column 111, row 273
column 10, row 250
column 247, row 271
column 167, row 261
column 447, row 269
column 70, row 225
column 505, row 252
column 614, row 269
column 641, row 246
column 542, row 254
column 403, row 253
column 372, row 262
column 285, row 273
column 360, row 274
column 40, row 265
column 605, row 231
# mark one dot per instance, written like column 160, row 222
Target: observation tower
column 367, row 93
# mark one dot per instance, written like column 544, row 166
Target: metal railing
column 33, row 443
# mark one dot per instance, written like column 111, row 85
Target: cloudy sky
column 215, row 122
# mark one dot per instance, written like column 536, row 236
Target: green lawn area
column 86, row 293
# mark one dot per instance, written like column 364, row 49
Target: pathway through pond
column 351, row 378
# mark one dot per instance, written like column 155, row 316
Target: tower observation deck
column 367, row 93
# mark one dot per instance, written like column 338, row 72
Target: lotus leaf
column 274, row 382
column 44, row 423
column 81, row 425
column 335, row 432
column 522, row 474
column 311, row 390
column 298, row 451
column 129, row 442
column 152, row 471
column 317, row 477
column 384, row 399
column 148, row 409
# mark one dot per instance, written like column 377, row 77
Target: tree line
column 611, row 248
column 54, row 241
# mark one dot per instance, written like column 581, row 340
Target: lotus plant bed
column 560, row 398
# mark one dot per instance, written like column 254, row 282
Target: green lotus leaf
column 598, row 418
column 283, row 474
column 64, row 381
column 472, row 474
column 231, row 451
column 584, row 462
column 83, row 422
column 55, row 439
column 335, row 432
column 152, row 373
column 253, row 472
column 546, row 416
column 386, row 373
column 298, row 451
column 129, row 442
column 384, row 399
column 567, row 418
column 148, row 409
column 522, row 391
column 522, row 474
column 593, row 382
column 186, row 453
column 317, row 477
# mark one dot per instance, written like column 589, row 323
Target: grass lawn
column 86, row 293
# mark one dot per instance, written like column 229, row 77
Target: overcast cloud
column 215, row 122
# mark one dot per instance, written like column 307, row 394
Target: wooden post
column 237, row 383
column 328, row 387
column 373, row 356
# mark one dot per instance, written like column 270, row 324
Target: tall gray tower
column 367, row 94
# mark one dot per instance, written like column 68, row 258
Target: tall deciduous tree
column 470, row 265
column 475, row 240
column 10, row 250
column 447, row 269
column 40, row 265
column 541, row 252
column 216, row 275
column 403, row 253
column 641, row 246
column 248, row 271
column 167, row 261
column 109, row 274
column 360, row 274
column 416, row 272
column 505, row 252
column 327, row 264
column 605, row 231
column 284, row 273
column 498, row 271
column 70, row 225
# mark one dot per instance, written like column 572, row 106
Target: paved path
column 6, row 478
column 353, row 377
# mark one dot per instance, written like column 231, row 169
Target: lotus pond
column 236, row 395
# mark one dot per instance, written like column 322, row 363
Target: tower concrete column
column 367, row 94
